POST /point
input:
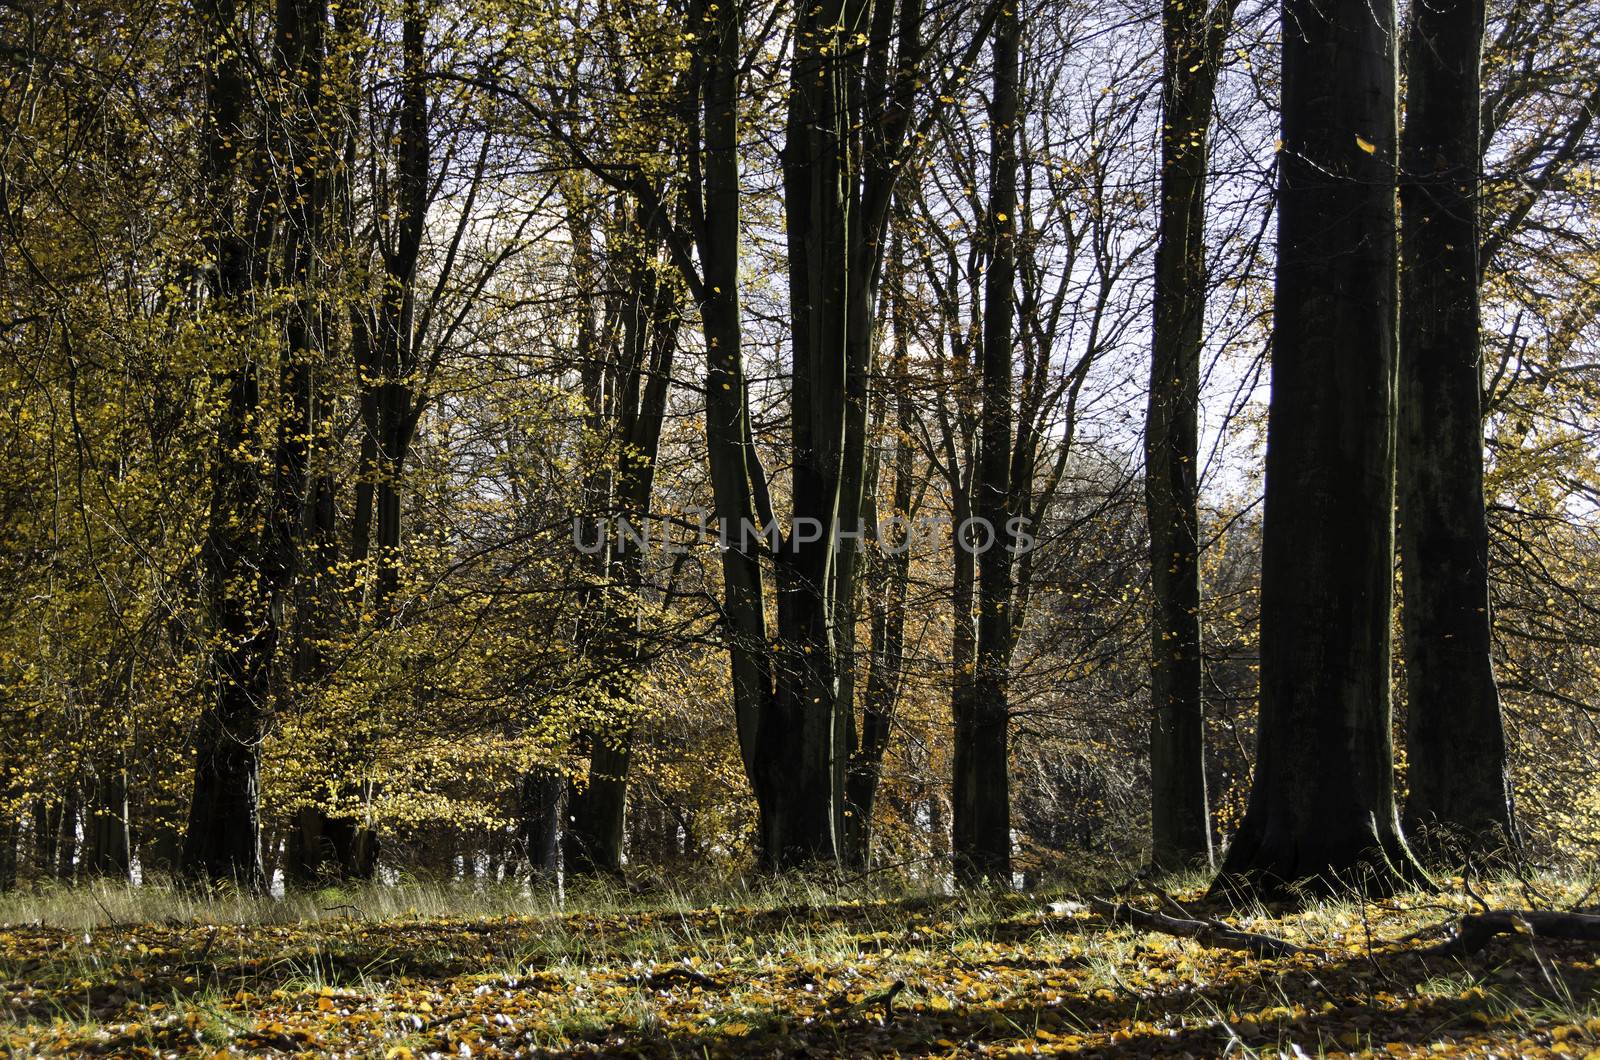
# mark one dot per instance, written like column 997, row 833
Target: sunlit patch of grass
column 435, row 966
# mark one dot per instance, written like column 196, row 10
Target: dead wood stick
column 1474, row 930
column 1214, row 933
column 667, row 976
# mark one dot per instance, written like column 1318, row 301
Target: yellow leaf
column 1365, row 146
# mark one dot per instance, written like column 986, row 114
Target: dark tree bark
column 542, row 806
column 1460, row 792
column 1180, row 822
column 385, row 347
column 8, row 852
column 106, row 835
column 980, row 774
column 1322, row 804
column 223, row 838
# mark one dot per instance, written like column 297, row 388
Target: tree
column 223, row 839
column 888, row 577
column 1192, row 39
column 1460, row 797
column 1322, row 803
column 981, row 795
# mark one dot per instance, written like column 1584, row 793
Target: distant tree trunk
column 44, row 839
column 981, row 799
column 1322, row 802
column 542, row 809
column 223, row 838
column 650, row 317
column 106, row 836
column 66, row 866
column 1460, row 792
column 1179, row 809
column 8, row 852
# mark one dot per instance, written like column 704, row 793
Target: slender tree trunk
column 386, row 358
column 1322, row 803
column 319, row 846
column 8, row 852
column 888, row 606
column 44, row 839
column 1460, row 792
column 397, row 340
column 981, row 798
column 1179, row 814
column 737, row 481
column 66, row 866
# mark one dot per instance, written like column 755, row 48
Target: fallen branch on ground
column 668, row 976
column 1212, row 933
column 1474, row 931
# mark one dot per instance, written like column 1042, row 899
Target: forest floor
column 789, row 974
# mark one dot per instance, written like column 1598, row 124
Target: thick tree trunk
column 1180, row 824
column 981, row 796
column 799, row 746
column 222, row 841
column 1460, row 795
column 1322, row 803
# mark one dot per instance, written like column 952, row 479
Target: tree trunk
column 66, row 866
column 106, row 835
column 542, row 806
column 1180, row 822
column 1322, row 805
column 886, row 661
column 222, row 841
column 385, row 357
column 45, row 828
column 1460, row 793
column 8, row 852
column 981, row 799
